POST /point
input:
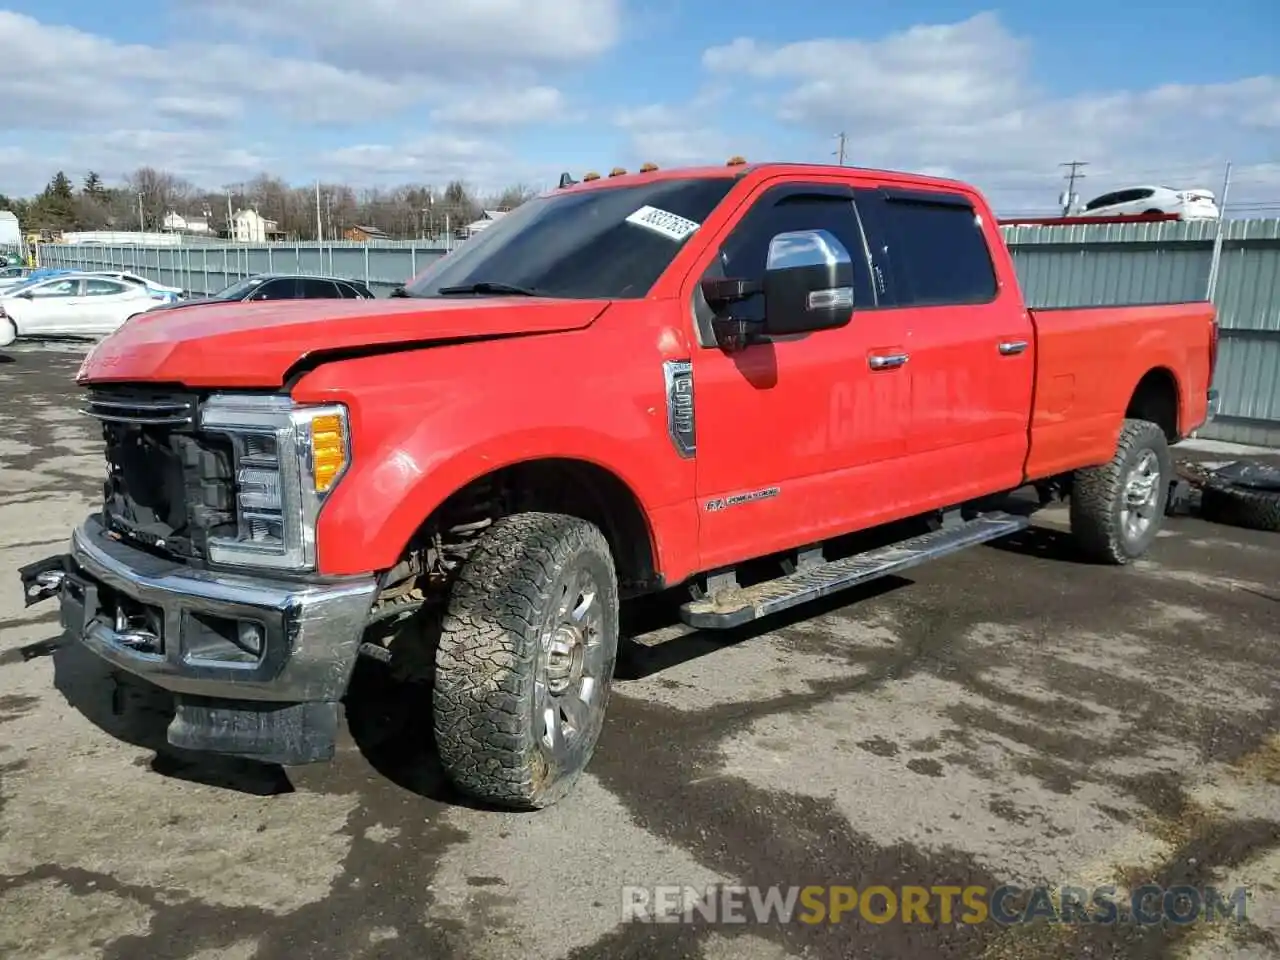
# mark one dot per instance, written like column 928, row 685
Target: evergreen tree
column 93, row 188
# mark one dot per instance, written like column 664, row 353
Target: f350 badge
column 716, row 504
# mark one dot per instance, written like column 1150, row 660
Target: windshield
column 609, row 243
column 237, row 290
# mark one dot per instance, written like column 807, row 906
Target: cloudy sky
column 502, row 91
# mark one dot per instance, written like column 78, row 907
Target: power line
column 1071, row 179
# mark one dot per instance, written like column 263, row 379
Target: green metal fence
column 1085, row 264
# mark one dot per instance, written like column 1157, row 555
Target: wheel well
column 1156, row 399
column 568, row 486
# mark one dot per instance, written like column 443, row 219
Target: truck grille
column 168, row 487
column 142, row 409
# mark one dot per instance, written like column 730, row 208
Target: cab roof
column 736, row 171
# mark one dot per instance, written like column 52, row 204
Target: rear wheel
column 1117, row 509
column 525, row 661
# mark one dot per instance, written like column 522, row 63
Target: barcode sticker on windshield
column 661, row 221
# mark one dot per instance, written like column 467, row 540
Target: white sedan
column 1146, row 201
column 70, row 306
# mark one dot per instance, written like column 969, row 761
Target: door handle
column 1011, row 348
column 886, row 361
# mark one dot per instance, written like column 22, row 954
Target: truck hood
column 258, row 344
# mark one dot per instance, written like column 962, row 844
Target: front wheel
column 1117, row 508
column 8, row 332
column 525, row 661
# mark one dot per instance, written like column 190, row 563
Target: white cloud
column 480, row 163
column 70, row 92
column 57, row 77
column 962, row 100
column 199, row 110
column 505, row 108
column 411, row 38
column 679, row 135
column 933, row 74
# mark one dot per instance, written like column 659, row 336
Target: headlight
column 288, row 458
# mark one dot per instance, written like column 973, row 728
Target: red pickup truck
column 627, row 385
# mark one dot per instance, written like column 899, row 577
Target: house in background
column 249, row 226
column 176, row 223
column 359, row 234
column 486, row 220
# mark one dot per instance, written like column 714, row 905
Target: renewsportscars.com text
column 1005, row 905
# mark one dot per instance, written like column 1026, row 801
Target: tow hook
column 43, row 579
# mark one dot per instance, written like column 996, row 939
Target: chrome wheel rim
column 1141, row 496
column 569, row 682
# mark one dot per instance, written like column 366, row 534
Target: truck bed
column 1091, row 360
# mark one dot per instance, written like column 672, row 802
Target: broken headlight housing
column 287, row 459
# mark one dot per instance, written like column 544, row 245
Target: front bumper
column 169, row 624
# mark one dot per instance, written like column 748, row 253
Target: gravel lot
column 1007, row 715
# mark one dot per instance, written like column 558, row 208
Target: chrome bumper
column 160, row 620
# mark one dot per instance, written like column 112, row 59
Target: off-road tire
column 1240, row 506
column 487, row 730
column 1097, row 497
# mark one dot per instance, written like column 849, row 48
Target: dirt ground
column 1007, row 715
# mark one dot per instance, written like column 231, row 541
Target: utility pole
column 839, row 151
column 1071, row 177
column 142, row 223
column 319, row 227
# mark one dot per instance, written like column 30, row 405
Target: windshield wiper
column 489, row 286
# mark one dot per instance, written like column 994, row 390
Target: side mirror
column 808, row 283
column 26, row 295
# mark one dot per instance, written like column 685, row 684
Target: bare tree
column 157, row 193
column 511, row 197
column 408, row 211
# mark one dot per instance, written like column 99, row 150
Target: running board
column 736, row 606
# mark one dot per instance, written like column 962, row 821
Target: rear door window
column 314, row 288
column 103, row 288
column 933, row 244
